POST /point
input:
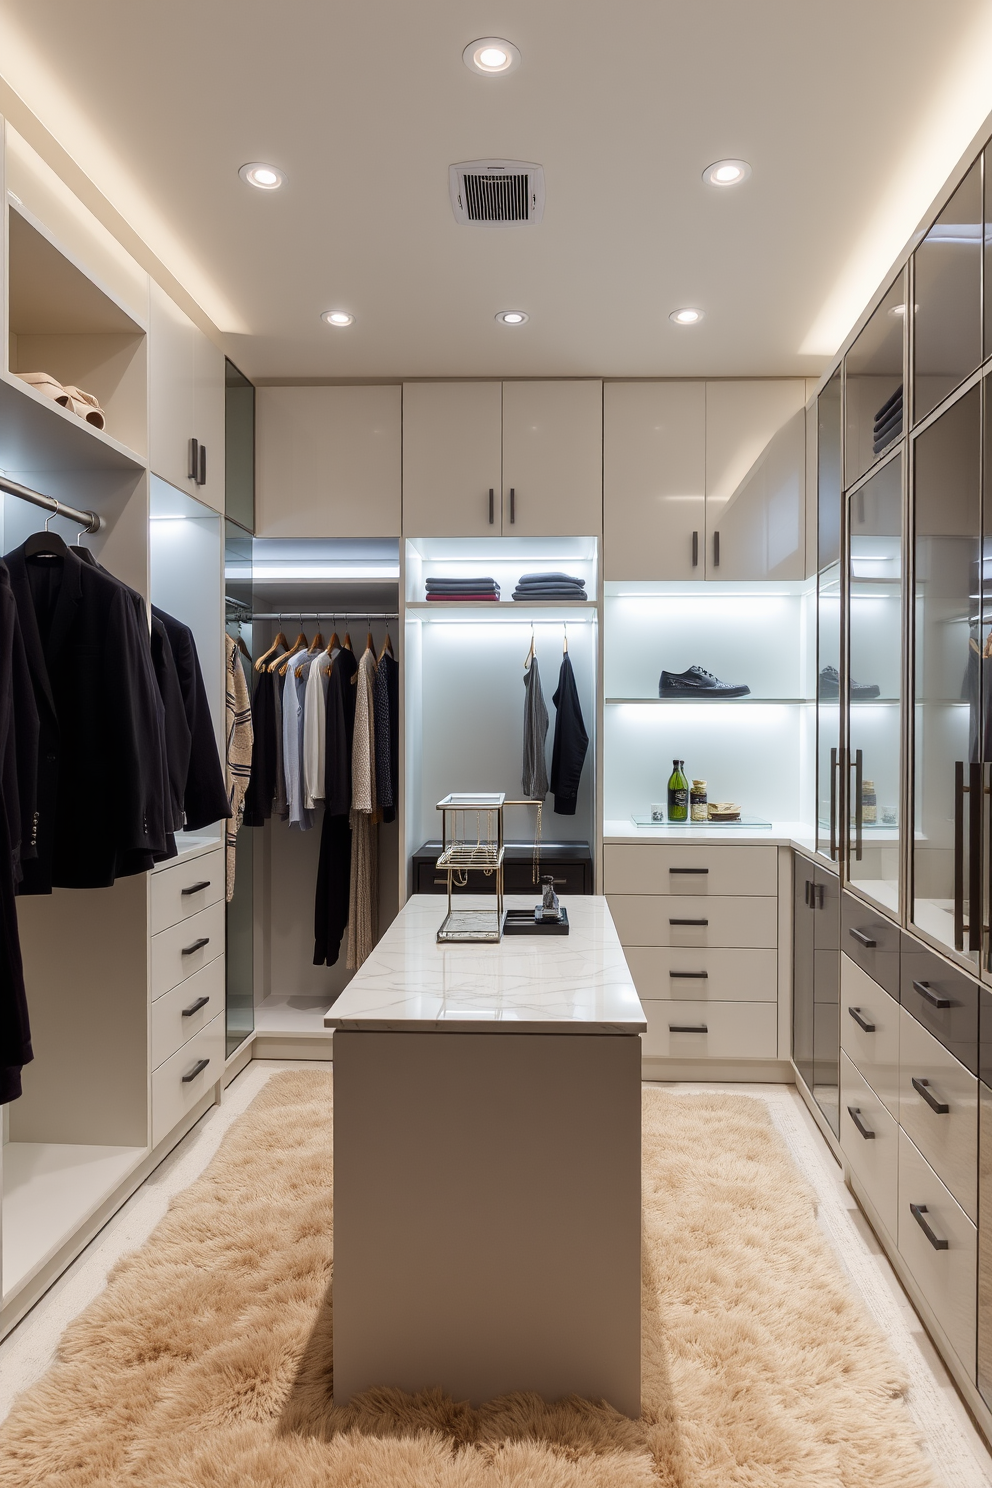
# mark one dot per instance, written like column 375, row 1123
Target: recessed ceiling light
column 265, row 177
column 512, row 317
column 726, row 173
column 490, row 54
column 337, row 318
column 687, row 316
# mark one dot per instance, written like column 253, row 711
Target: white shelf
column 706, row 699
column 38, row 436
column 49, row 1190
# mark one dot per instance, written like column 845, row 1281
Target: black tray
column 525, row 922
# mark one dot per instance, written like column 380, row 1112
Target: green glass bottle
column 678, row 793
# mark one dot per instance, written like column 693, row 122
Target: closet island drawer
column 670, row 920
column 869, row 1031
column 184, row 948
column 182, row 891
column 869, row 1138
column 181, row 1081
column 938, row 1108
column 182, row 1012
column 714, row 974
column 938, row 1242
column 710, row 1030
column 656, row 868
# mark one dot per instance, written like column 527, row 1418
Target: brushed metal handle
column 862, row 938
column 201, row 474
column 716, row 550
column 918, row 1211
column 834, row 767
column 197, row 1069
column 701, row 976
column 859, row 809
column 196, row 946
column 861, row 1022
column 513, row 505
column 194, row 459
column 695, row 550
column 855, row 1114
column 688, row 922
column 933, row 998
column 195, row 1007
column 492, row 513
column 922, row 1087
column 196, row 888
column 688, row 870
column 687, row 1028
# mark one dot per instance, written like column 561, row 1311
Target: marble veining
column 577, row 983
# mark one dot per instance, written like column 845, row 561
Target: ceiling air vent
column 497, row 193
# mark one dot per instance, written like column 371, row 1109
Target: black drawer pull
column 933, row 998
column 688, row 922
column 443, row 881
column 197, row 887
column 861, row 1022
column 197, row 1069
column 196, row 946
column 862, row 938
column 688, row 870
column 855, row 1114
column 922, row 1087
column 918, row 1211
column 195, row 1007
column 699, row 975
column 687, row 1028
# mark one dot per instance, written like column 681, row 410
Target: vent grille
column 497, row 193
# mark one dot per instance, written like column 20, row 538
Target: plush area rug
column 206, row 1363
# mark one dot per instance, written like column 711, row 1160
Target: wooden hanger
column 369, row 644
column 346, row 643
column 564, row 647
column 532, row 652
column 239, row 642
column 280, row 640
column 333, row 644
column 282, row 662
column 387, row 648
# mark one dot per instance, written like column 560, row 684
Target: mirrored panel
column 874, row 687
column 828, row 473
column 874, row 392
column 828, row 709
column 947, row 336
column 948, row 690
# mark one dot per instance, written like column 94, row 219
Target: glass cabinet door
column 829, row 505
column 874, row 386
column 826, row 996
column 947, row 684
column 874, row 686
column 947, row 337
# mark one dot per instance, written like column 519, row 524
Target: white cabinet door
column 552, row 459
column 171, row 398
column 755, row 483
column 452, row 454
column 654, row 480
column 209, row 394
column 328, row 461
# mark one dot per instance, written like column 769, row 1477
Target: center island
column 487, row 1163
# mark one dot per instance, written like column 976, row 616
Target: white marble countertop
column 577, row 983
column 778, row 834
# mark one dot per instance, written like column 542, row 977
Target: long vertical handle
column 695, row 550
column 833, row 805
column 492, row 513
column 716, row 550
column 959, row 855
column 859, row 761
column 975, row 799
column 201, row 474
column 513, row 505
column 194, row 459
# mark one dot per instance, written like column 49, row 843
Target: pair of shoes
column 695, row 682
column 830, row 686
column 84, row 405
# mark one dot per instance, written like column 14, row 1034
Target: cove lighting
column 167, row 517
column 686, row 316
column 726, row 173
column 512, row 317
column 337, row 318
column 265, row 177
column 491, row 55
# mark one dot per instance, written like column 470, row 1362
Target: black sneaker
column 830, row 686
column 695, row 682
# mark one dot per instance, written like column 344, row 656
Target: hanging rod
column 88, row 521
column 313, row 615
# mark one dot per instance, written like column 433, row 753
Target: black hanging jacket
column 571, row 742
column 205, row 798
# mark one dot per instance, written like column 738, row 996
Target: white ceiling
column 848, row 112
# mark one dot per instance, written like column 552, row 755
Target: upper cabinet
column 874, row 385
column 654, row 480
column 947, row 297
column 186, row 403
column 328, row 461
column 484, row 459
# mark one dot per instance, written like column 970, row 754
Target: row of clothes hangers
column 280, row 663
column 533, row 646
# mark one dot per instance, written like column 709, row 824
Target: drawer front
column 518, row 878
column 875, row 1048
column 714, row 974
column 945, row 1276
column 172, row 1094
column 179, row 893
column 655, row 868
column 176, row 1016
column 872, row 941
column 712, row 1030
column 176, row 953
column 947, row 1138
column 940, row 998
column 669, row 920
column 874, row 1158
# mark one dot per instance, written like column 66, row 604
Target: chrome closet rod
column 88, row 521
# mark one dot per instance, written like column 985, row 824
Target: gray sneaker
column 697, row 683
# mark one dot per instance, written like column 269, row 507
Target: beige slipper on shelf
column 44, row 382
column 86, row 406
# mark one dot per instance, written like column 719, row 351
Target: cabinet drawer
column 179, row 893
column 655, row 868
column 945, row 1276
column 175, row 1016
column 872, row 941
column 173, row 1092
column 712, row 1030
column 874, row 1159
column 947, row 1138
column 942, row 999
column 875, row 1052
column 712, row 974
column 670, row 920
column 173, row 955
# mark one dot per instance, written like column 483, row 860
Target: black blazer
column 102, row 811
column 205, row 797
column 568, row 753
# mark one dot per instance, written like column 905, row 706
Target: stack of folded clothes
column 888, row 422
column 550, row 586
column 462, row 589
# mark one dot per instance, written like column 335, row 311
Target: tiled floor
column 960, row 1455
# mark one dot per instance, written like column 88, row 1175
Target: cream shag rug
column 206, row 1362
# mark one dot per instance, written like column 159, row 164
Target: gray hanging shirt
column 535, row 776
